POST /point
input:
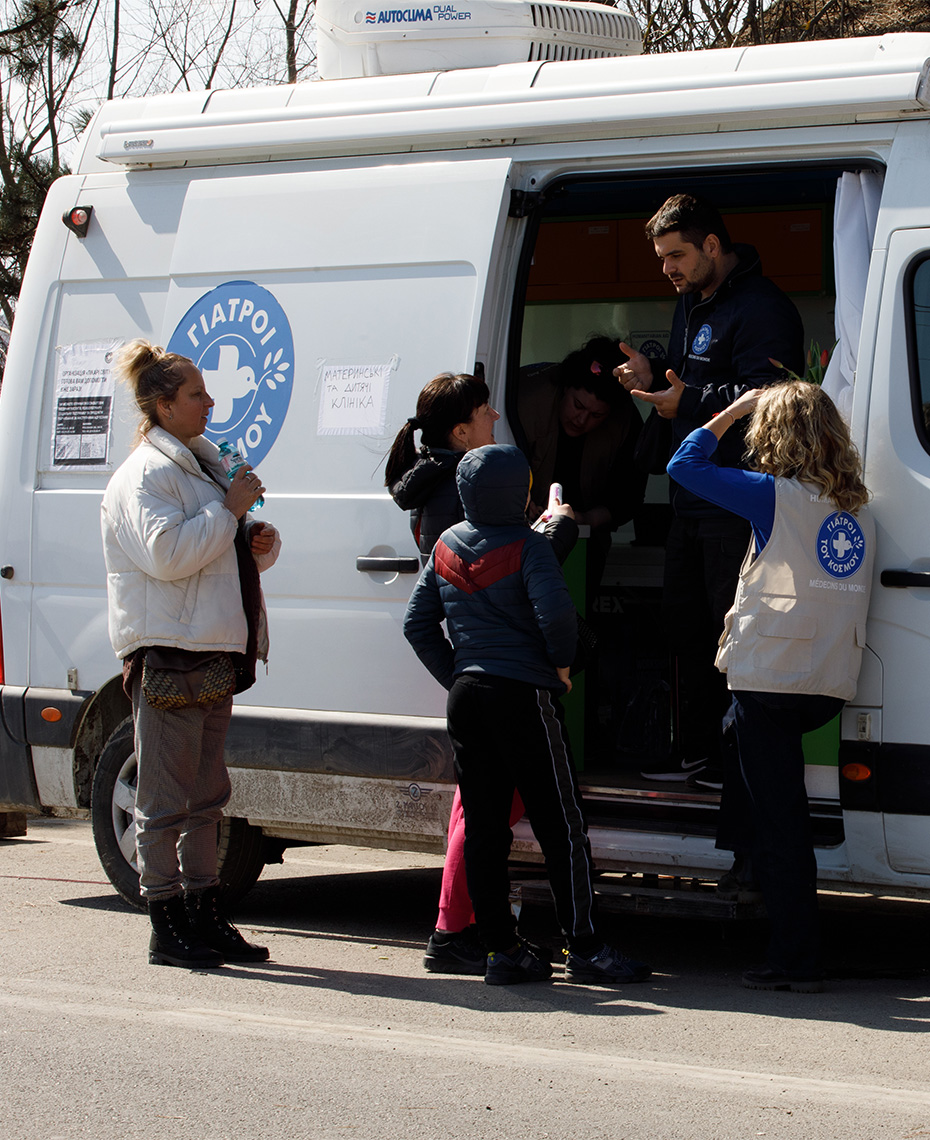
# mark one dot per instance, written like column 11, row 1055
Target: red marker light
column 856, row 772
column 77, row 219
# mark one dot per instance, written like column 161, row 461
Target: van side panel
column 373, row 269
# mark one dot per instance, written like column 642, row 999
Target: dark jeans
column 772, row 799
column 509, row 735
column 702, row 564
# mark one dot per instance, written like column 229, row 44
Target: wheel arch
column 103, row 713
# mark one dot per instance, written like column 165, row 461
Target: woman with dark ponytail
column 454, row 414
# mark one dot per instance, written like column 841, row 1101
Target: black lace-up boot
column 173, row 942
column 211, row 927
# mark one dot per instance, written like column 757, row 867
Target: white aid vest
column 797, row 624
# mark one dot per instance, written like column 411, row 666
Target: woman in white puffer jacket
column 185, row 604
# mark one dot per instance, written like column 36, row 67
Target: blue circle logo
column 840, row 545
column 701, row 342
column 240, row 339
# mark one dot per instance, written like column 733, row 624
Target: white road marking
column 134, row 1007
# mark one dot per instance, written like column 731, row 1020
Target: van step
column 663, row 896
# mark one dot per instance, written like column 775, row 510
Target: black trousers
column 769, row 727
column 702, row 564
column 510, row 735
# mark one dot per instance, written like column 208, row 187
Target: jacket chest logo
column 701, row 342
column 840, row 545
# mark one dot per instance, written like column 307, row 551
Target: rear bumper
column 18, row 790
column 23, row 725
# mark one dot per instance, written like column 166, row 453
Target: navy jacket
column 429, row 492
column 721, row 347
column 495, row 582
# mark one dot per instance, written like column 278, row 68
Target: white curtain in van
column 857, row 200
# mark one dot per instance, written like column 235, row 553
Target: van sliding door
column 377, row 273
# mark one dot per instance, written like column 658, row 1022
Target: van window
column 919, row 320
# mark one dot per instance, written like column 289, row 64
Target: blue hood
column 494, row 483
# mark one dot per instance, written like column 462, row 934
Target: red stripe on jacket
column 485, row 571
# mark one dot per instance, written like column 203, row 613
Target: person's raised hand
column 666, row 402
column 561, row 509
column 635, row 374
column 744, row 405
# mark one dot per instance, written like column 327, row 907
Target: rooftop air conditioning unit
column 354, row 41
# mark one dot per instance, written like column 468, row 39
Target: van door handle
column 901, row 579
column 405, row 565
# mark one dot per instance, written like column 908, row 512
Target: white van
column 322, row 250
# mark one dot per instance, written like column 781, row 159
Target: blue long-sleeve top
column 749, row 494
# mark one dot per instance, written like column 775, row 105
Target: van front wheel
column 240, row 847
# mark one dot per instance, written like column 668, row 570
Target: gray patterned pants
column 183, row 786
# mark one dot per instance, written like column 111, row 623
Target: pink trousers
column 455, row 911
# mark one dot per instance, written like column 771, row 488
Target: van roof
column 818, row 82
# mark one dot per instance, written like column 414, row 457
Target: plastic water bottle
column 232, row 461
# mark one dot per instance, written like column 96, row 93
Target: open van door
column 897, row 472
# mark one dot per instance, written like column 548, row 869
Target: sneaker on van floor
column 679, row 768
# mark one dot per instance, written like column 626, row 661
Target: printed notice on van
column 84, row 389
column 353, row 398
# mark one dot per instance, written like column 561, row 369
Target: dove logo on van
column 240, row 338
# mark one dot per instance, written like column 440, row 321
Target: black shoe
column 737, row 884
column 524, row 962
column 770, row 978
column 209, row 924
column 608, row 967
column 173, row 941
column 710, row 779
column 448, row 952
column 669, row 770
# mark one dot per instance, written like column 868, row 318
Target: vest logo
column 701, row 342
column 840, row 545
column 240, row 339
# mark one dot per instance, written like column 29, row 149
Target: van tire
column 240, row 847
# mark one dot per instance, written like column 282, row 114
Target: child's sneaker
column 448, row 952
column 524, row 963
column 608, row 967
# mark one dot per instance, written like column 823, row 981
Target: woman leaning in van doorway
column 792, row 642
column 454, row 415
column 187, row 618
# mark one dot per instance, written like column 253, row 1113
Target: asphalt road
column 343, row 1034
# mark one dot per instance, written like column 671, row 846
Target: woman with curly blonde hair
column 797, row 433
column 792, row 642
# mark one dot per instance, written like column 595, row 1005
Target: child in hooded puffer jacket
column 512, row 636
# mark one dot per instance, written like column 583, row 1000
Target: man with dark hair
column 729, row 324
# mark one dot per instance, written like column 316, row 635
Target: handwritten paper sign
column 353, row 398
